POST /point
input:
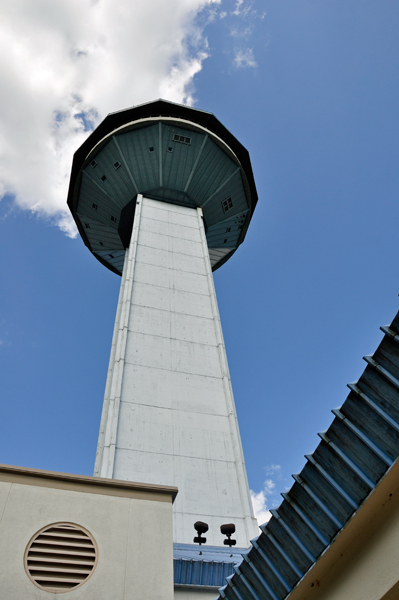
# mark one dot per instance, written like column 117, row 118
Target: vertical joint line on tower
column 101, row 188
column 116, row 375
column 160, row 154
column 196, row 163
column 126, row 165
column 225, row 182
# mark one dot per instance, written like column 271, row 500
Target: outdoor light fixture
column 200, row 528
column 228, row 530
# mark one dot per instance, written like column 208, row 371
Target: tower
column 163, row 194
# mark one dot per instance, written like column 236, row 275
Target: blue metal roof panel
column 205, row 566
column 200, row 572
column 353, row 455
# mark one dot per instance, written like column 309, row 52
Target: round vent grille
column 60, row 557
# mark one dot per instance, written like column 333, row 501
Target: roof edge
column 358, row 529
column 87, row 483
column 159, row 108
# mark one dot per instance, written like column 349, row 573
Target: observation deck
column 167, row 152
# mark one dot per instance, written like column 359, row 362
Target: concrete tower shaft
column 163, row 194
column 169, row 412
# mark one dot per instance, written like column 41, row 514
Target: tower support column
column 169, row 414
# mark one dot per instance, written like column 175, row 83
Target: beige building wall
column 130, row 523
column 363, row 562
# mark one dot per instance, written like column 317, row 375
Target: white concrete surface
column 134, row 539
column 193, row 594
column 169, row 414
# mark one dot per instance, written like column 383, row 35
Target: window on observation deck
column 227, row 204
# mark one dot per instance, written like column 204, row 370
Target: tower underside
column 169, row 414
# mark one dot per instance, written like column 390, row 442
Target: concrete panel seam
column 192, row 457
column 108, row 454
column 5, row 504
column 235, row 434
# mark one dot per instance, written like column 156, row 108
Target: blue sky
column 310, row 87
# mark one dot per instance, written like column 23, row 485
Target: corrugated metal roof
column 354, row 454
column 204, row 566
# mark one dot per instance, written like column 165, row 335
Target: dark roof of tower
column 354, row 454
column 158, row 109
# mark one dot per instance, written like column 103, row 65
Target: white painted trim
column 109, row 421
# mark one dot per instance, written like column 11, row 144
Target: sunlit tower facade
column 162, row 195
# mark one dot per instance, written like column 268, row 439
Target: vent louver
column 60, row 557
column 182, row 139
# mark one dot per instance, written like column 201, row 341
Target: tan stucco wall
column 363, row 562
column 134, row 538
column 367, row 572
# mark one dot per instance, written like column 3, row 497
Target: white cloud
column 242, row 33
column 260, row 500
column 239, row 8
column 259, row 503
column 272, row 469
column 245, row 58
column 243, row 24
column 66, row 64
column 4, row 341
